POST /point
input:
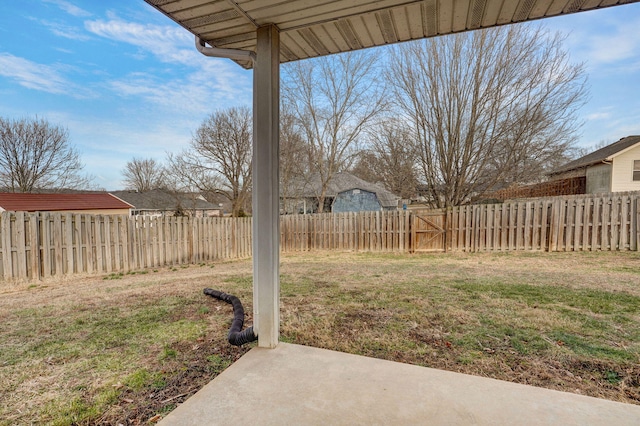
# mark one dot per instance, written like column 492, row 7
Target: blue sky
column 127, row 82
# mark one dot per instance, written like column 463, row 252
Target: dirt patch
column 183, row 379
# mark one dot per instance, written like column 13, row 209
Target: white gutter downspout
column 216, row 52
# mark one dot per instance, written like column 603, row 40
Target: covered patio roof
column 310, row 28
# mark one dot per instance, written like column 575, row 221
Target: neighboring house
column 345, row 193
column 92, row 203
column 614, row 168
column 159, row 202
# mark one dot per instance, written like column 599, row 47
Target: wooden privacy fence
column 362, row 231
column 41, row 245
column 570, row 223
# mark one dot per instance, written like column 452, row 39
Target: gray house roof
column 599, row 156
column 162, row 200
column 341, row 182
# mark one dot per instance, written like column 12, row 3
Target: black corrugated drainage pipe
column 237, row 336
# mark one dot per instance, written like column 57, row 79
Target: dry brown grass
column 129, row 348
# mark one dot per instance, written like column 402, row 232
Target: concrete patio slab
column 299, row 385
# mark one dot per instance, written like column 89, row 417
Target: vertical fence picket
column 100, row 240
column 34, row 248
column 45, row 243
column 624, row 230
column 90, row 242
column 21, row 258
column 527, row 226
column 67, row 246
column 554, row 225
column 452, row 219
column 482, row 228
column 117, row 244
column 504, row 226
column 587, row 224
column 570, row 223
column 615, row 223
column 468, row 229
column 544, row 225
column 606, row 224
column 78, row 256
column 596, row 235
column 57, row 244
column 536, row 227
column 108, row 243
column 5, row 230
column 578, row 225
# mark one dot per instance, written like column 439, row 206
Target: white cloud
column 32, row 75
column 204, row 89
column 67, row 51
column 69, row 8
column 599, row 116
column 168, row 44
column 620, row 44
column 611, row 123
column 41, row 77
column 65, row 31
column 602, row 38
column 213, row 81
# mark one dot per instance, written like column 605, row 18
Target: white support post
column 266, row 197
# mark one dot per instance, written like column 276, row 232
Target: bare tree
column 333, row 99
column 143, row 174
column 487, row 107
column 367, row 166
column 585, row 150
column 35, row 155
column 391, row 158
column 219, row 158
column 293, row 157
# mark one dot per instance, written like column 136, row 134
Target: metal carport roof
column 310, row 28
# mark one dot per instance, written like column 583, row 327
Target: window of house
column 636, row 170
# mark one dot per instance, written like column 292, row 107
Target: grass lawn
column 129, row 348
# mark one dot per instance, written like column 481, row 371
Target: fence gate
column 428, row 231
